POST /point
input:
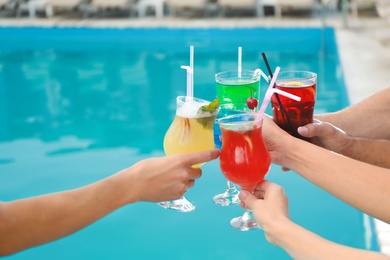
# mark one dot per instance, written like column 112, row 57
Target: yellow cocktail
column 190, row 131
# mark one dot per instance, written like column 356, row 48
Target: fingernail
column 243, row 194
column 303, row 130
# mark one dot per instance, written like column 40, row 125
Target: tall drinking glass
column 244, row 158
column 233, row 90
column 293, row 114
column 190, row 131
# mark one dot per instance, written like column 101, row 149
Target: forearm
column 302, row 244
column 376, row 152
column 361, row 185
column 33, row 221
column 368, row 118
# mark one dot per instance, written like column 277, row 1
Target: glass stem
column 248, row 214
column 230, row 186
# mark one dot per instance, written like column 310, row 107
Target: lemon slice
column 293, row 84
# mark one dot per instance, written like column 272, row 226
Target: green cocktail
column 233, row 89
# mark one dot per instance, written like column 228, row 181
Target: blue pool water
column 79, row 104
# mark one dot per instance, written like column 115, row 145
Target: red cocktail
column 293, row 113
column 244, row 158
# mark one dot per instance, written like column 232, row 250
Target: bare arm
column 271, row 213
column 341, row 176
column 29, row 222
column 369, row 118
column 324, row 134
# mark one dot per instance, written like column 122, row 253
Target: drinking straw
column 190, row 75
column 267, row 64
column 284, row 113
column 260, row 72
column 269, row 93
column 239, row 61
column 189, row 94
column 286, row 94
column 190, row 89
column 271, row 90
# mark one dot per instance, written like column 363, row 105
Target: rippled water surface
column 77, row 105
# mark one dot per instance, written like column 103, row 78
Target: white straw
column 271, row 90
column 286, row 94
column 191, row 93
column 260, row 72
column 239, row 61
column 268, row 94
column 189, row 96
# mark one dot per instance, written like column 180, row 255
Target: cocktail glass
column 233, row 89
column 244, row 158
column 293, row 114
column 190, row 131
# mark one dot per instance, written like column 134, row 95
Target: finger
column 195, row 173
column 199, row 157
column 315, row 120
column 270, row 188
column 315, row 129
column 247, row 198
column 285, row 169
column 265, row 187
column 259, row 194
column 190, row 183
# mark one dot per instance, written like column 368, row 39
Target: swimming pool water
column 79, row 104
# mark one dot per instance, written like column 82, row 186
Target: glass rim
column 183, row 99
column 248, row 75
column 309, row 74
column 253, row 115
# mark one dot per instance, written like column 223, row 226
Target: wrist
column 348, row 146
column 293, row 149
column 277, row 230
column 126, row 186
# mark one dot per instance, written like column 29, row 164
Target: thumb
column 313, row 129
column 247, row 198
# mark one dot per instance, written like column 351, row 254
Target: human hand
column 327, row 136
column 269, row 204
column 276, row 140
column 168, row 177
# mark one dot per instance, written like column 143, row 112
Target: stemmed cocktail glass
column 234, row 88
column 244, row 158
column 190, row 131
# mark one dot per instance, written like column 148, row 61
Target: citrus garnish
column 293, row 84
column 211, row 108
